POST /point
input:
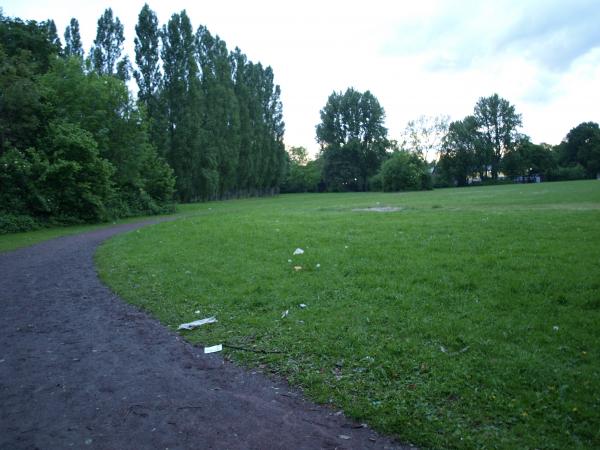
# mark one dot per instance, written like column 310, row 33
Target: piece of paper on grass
column 213, row 349
column 196, row 323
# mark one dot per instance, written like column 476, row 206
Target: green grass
column 13, row 241
column 468, row 319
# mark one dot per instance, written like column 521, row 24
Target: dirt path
column 79, row 368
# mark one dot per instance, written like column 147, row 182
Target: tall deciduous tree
column 352, row 121
column 528, row 158
column 147, row 55
column 424, row 136
column 194, row 168
column 26, row 51
column 53, row 35
column 149, row 77
column 221, row 120
column 498, row 122
column 108, row 44
column 458, row 159
column 73, row 46
column 582, row 146
column 240, row 70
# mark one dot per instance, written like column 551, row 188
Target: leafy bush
column 13, row 223
column 303, row 177
column 574, row 172
column 376, row 182
column 22, row 174
column 78, row 181
column 405, row 171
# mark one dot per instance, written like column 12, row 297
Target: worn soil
column 79, row 368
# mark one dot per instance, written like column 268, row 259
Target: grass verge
column 13, row 241
column 467, row 318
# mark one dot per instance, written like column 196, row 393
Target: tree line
column 77, row 146
column 485, row 147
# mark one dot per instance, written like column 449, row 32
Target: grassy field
column 468, row 318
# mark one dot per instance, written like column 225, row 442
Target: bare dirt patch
column 380, row 209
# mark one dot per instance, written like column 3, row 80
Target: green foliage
column 102, row 106
column 13, row 223
column 567, row 173
column 22, row 174
column 302, row 175
column 405, row 171
column 221, row 121
column 376, row 182
column 497, row 121
column 425, row 135
column 149, row 77
column 209, row 126
column 74, row 148
column 53, row 35
column 73, row 45
column 32, row 41
column 341, row 167
column 351, row 122
column 108, row 44
column 298, row 155
column 529, row 159
column 78, row 181
column 182, row 95
column 459, row 156
column 21, row 112
column 582, row 146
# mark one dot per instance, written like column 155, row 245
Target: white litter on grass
column 302, row 305
column 318, row 265
column 298, row 251
column 289, row 260
column 555, row 327
column 197, row 311
column 213, row 349
column 196, row 323
column 285, row 313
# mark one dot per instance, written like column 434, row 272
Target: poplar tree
column 147, row 56
column 221, row 120
column 241, row 68
column 73, row 46
column 195, row 170
column 53, row 35
column 148, row 75
column 108, row 44
column 275, row 158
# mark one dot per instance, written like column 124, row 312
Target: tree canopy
column 582, row 146
column 497, row 122
column 353, row 139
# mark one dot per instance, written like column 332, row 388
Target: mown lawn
column 470, row 318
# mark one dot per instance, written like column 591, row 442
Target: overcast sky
column 418, row 58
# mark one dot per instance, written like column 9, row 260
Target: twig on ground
column 246, row 349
